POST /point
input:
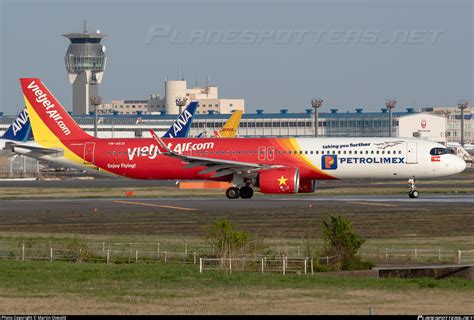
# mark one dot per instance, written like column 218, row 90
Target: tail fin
column 51, row 123
column 20, row 129
column 180, row 127
column 229, row 130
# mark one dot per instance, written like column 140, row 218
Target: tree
column 343, row 243
column 227, row 240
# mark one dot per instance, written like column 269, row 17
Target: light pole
column 95, row 101
column 181, row 102
column 316, row 104
column 462, row 105
column 390, row 104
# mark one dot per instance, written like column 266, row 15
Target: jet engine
column 307, row 186
column 284, row 180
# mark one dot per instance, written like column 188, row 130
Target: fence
column 282, row 264
column 204, row 255
column 420, row 255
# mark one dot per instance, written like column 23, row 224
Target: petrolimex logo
column 329, row 162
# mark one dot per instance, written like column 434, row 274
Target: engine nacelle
column 307, row 186
column 284, row 180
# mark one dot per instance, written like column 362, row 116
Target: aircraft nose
column 459, row 164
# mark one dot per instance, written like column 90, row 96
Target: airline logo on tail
column 42, row 98
column 229, row 130
column 180, row 127
column 20, row 129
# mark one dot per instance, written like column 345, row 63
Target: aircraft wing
column 220, row 166
column 34, row 151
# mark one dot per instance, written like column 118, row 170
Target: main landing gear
column 245, row 192
column 412, row 193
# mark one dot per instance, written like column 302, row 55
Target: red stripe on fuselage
column 138, row 158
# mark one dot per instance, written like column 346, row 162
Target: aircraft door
column 271, row 153
column 89, row 148
column 412, row 152
column 261, row 153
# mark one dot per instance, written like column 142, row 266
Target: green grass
column 42, row 279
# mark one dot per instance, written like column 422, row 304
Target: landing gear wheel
column 246, row 192
column 413, row 194
column 232, row 193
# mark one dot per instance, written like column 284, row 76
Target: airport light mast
column 85, row 63
column 390, row 104
column 96, row 101
column 462, row 105
column 181, row 102
column 316, row 104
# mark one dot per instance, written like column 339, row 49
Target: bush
column 228, row 241
column 343, row 243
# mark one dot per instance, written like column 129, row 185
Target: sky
column 274, row 54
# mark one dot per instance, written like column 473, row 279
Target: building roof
column 131, row 119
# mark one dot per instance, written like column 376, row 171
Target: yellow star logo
column 282, row 181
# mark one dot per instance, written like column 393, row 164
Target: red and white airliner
column 274, row 165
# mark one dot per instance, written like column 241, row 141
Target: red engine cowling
column 307, row 186
column 284, row 180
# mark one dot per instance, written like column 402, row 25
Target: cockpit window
column 439, row 151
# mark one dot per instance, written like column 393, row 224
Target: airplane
column 229, row 130
column 274, row 165
column 18, row 132
column 21, row 127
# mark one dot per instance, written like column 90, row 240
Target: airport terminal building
column 301, row 124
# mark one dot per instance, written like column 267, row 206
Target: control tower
column 85, row 63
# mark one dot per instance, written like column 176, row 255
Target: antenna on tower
column 85, row 26
column 207, row 85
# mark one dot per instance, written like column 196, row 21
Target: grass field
column 34, row 287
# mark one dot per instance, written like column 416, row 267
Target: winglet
column 162, row 147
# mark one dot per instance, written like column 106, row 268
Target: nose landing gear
column 412, row 193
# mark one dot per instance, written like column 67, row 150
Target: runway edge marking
column 156, row 205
